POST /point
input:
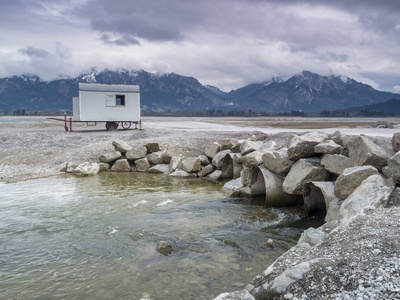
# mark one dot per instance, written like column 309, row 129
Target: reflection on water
column 95, row 238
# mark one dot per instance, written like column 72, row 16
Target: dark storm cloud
column 120, row 40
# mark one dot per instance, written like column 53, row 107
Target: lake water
column 95, row 238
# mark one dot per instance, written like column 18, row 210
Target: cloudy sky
column 225, row 43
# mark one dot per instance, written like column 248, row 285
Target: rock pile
column 345, row 175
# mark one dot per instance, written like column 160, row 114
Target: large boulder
column 304, row 145
column 171, row 151
column 233, row 185
column 137, row 152
column 142, row 165
column 328, row 147
column 249, row 146
column 121, row 165
column 303, row 171
column 160, row 168
column 351, row 178
column 371, row 193
column 228, row 144
column 152, row 147
column 219, row 157
column 212, row 149
column 121, row 146
column 87, row 168
column 363, row 151
column 156, row 157
column 253, row 159
column 191, row 164
column 205, row 170
column 231, row 165
column 312, row 236
column 278, row 161
column 174, row 163
column 396, row 141
column 336, row 163
column 393, row 167
column 71, row 166
column 110, row 156
column 215, row 175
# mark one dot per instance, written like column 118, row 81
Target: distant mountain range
column 307, row 91
column 390, row 107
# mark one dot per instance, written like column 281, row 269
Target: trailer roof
column 105, row 87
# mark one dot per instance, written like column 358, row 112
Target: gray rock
column 205, row 170
column 304, row 145
column 328, row 147
column 303, row 171
column 245, row 175
column 394, row 166
column 160, row 168
column 174, row 163
column 152, row 147
column 71, row 166
column 87, row 169
column 164, row 248
column 233, row 185
column 212, row 149
column 312, row 236
column 253, row 159
column 249, row 146
column 278, row 161
column 191, row 164
column 228, row 144
column 142, row 165
column 204, row 159
column 104, row 167
column 394, row 199
column 351, row 178
column 336, row 163
column 110, row 156
column 181, row 173
column 121, row 165
column 396, row 141
column 268, row 146
column 236, row 295
column 215, row 175
column 363, row 152
column 371, row 193
column 172, row 151
column 156, row 157
column 218, row 158
column 137, row 152
column 121, row 146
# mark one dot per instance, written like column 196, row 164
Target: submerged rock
column 164, row 248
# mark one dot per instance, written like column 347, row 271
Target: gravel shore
column 365, row 252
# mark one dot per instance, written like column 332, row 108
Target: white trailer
column 114, row 104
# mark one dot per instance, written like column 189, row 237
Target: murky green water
column 95, row 238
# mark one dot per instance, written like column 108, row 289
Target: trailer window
column 120, row 100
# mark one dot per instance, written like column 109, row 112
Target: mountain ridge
column 307, row 91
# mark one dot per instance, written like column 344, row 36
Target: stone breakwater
column 350, row 177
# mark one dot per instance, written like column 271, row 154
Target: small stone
column 288, row 296
column 376, row 252
column 164, row 248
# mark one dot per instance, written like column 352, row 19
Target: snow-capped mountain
column 160, row 92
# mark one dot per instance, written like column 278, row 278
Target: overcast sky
column 225, row 43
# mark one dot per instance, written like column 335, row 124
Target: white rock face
column 278, row 161
column 156, row 157
column 303, row 171
column 181, row 173
column 212, row 149
column 160, row 168
column 205, row 170
column 253, row 159
column 219, row 157
column 172, row 151
column 249, row 146
column 372, row 193
column 351, row 178
column 312, row 236
column 174, row 163
column 215, row 174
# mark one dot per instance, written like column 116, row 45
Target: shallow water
column 95, row 238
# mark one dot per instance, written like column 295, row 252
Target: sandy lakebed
column 366, row 253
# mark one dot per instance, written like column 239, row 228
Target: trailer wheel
column 126, row 125
column 111, row 125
